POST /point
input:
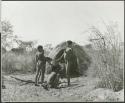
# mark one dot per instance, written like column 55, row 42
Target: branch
column 27, row 81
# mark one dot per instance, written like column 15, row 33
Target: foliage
column 22, row 63
column 25, row 44
column 7, row 36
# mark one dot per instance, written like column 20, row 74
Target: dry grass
column 107, row 57
column 22, row 63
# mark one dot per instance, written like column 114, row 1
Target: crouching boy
column 53, row 78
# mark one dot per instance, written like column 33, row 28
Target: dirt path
column 18, row 91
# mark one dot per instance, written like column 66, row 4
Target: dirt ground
column 79, row 91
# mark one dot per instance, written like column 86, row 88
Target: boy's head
column 69, row 43
column 40, row 48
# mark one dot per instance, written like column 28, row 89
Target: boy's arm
column 36, row 58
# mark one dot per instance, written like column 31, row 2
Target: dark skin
column 53, row 78
column 40, row 66
column 67, row 63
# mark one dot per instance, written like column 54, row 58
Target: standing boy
column 69, row 57
column 40, row 64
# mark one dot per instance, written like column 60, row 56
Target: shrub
column 22, row 63
column 107, row 57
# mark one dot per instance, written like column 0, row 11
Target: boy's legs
column 37, row 74
column 67, row 72
column 50, row 79
column 43, row 73
column 40, row 73
column 56, row 81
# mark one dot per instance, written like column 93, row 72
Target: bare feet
column 45, row 86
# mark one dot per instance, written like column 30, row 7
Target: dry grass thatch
column 83, row 58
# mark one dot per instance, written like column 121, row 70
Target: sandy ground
column 82, row 89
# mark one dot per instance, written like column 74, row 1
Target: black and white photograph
column 62, row 51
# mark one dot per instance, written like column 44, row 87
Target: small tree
column 7, row 36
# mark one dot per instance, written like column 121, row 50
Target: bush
column 22, row 63
column 107, row 57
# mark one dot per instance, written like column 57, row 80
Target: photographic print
column 62, row 51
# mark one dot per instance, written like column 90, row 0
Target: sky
column 57, row 21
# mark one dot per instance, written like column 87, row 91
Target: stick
column 78, row 86
column 27, row 81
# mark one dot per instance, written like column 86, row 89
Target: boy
column 68, row 56
column 53, row 78
column 40, row 65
